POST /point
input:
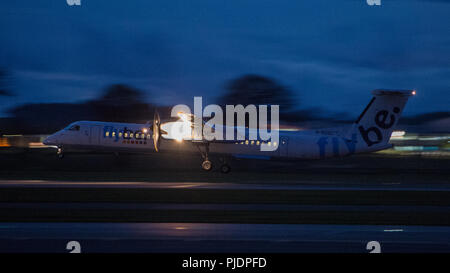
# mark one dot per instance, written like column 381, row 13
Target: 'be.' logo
column 384, row 120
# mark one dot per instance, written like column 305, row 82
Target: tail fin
column 378, row 120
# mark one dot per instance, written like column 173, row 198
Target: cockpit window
column 74, row 128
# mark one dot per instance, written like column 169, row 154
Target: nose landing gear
column 60, row 153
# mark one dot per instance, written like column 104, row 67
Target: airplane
column 370, row 132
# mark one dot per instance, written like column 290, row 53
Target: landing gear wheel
column 207, row 165
column 60, row 153
column 225, row 168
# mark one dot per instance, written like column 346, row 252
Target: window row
column 134, row 142
column 128, row 135
column 252, row 142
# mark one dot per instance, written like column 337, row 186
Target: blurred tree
column 120, row 94
column 118, row 103
column 256, row 89
column 122, row 103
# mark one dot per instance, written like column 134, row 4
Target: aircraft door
column 94, row 136
column 283, row 148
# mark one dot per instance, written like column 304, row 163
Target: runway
column 216, row 238
column 222, row 207
column 196, row 217
column 298, row 185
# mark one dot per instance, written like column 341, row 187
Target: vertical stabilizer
column 379, row 118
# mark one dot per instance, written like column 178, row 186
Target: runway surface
column 300, row 185
column 201, row 237
column 43, row 216
column 222, row 207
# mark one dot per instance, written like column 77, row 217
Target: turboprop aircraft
column 370, row 132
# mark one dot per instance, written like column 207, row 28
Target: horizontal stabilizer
column 384, row 92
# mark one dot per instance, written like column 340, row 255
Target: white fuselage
column 370, row 132
column 132, row 137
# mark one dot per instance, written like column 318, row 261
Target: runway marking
column 393, row 230
column 186, row 186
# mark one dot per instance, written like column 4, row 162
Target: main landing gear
column 203, row 148
column 206, row 164
column 225, row 168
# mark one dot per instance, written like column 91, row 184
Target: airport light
column 398, row 133
column 12, row 135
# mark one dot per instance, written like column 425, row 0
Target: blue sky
column 330, row 53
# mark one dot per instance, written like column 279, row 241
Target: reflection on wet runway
column 300, row 216
column 206, row 237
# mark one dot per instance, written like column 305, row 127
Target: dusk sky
column 330, row 53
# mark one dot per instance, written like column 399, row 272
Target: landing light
column 183, row 116
column 413, row 92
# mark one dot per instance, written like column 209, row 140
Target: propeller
column 156, row 130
